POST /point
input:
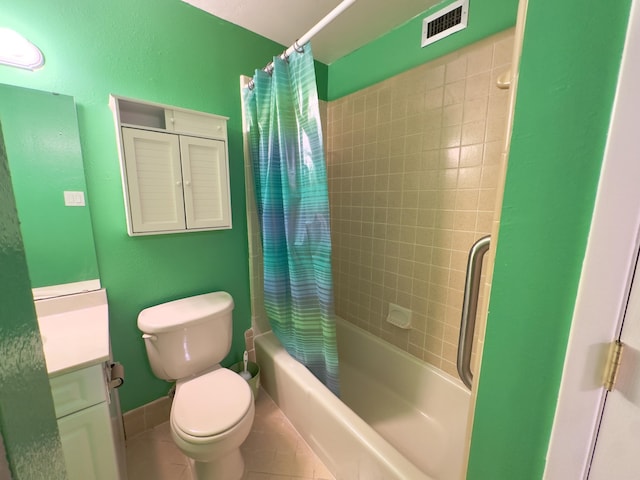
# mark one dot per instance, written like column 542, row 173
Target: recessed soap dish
column 399, row 316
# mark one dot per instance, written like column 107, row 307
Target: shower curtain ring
column 297, row 47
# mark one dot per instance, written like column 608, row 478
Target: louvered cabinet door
column 206, row 184
column 154, row 180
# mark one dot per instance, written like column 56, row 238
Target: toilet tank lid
column 167, row 316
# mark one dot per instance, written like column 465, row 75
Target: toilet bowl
column 211, row 417
column 213, row 408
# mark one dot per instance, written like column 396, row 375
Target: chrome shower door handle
column 470, row 308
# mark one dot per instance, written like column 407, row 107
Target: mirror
column 41, row 138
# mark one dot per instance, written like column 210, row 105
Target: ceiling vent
column 450, row 19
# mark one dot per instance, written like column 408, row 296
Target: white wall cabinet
column 81, row 404
column 174, row 168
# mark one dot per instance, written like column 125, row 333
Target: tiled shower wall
column 413, row 166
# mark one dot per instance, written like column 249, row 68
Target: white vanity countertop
column 74, row 330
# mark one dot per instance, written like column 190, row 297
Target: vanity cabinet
column 82, row 408
column 174, row 165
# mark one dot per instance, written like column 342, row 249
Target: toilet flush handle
column 146, row 336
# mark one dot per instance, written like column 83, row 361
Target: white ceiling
column 284, row 21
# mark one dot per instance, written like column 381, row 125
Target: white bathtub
column 409, row 422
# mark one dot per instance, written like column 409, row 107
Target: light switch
column 74, row 199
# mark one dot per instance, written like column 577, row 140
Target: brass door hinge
column 613, row 365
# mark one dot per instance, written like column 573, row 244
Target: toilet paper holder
column 115, row 375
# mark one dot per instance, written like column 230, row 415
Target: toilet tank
column 187, row 336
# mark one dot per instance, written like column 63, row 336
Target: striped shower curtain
column 287, row 157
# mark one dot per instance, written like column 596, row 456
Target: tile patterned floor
column 273, row 451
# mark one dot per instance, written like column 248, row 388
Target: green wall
column 161, row 51
column 41, row 171
column 400, row 50
column 567, row 83
column 183, row 57
column 27, row 418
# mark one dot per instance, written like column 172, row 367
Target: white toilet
column 213, row 407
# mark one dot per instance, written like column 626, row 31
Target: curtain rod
column 304, row 39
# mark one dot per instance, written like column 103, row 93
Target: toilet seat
column 211, row 404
